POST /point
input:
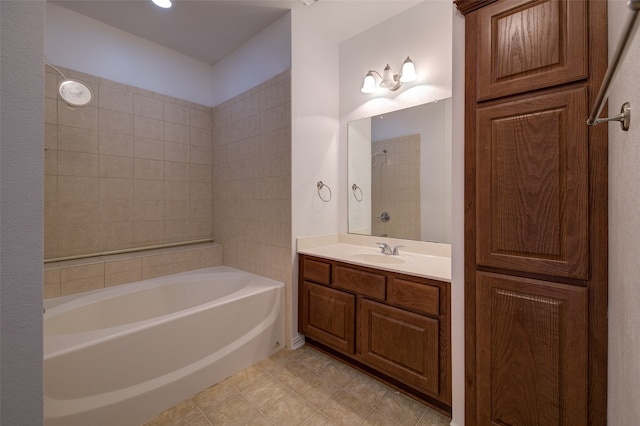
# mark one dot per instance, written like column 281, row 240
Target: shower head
column 74, row 92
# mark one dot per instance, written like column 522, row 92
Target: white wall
column 21, row 210
column 84, row 44
column 624, row 234
column 422, row 32
column 314, row 151
column 263, row 57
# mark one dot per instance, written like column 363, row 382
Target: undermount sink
column 377, row 258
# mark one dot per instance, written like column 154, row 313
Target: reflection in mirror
column 400, row 173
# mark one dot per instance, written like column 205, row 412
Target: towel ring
column 321, row 185
column 356, row 188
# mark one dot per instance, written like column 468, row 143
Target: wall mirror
column 400, row 173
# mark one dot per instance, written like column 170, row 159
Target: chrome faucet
column 386, row 249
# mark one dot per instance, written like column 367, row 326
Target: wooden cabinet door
column 525, row 45
column 532, row 185
column 403, row 344
column 531, row 352
column 328, row 316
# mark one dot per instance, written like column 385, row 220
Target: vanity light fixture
column 389, row 80
column 165, row 4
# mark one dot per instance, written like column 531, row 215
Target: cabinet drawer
column 414, row 296
column 318, row 272
column 361, row 282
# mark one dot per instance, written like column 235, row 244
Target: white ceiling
column 208, row 30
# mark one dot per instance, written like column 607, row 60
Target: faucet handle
column 384, row 248
column 395, row 250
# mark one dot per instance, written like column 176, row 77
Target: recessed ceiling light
column 308, row 2
column 165, row 4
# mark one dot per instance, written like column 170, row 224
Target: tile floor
column 301, row 387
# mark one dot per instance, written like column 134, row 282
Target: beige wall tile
column 186, row 261
column 211, row 257
column 50, row 84
column 152, row 149
column 116, row 167
column 116, row 235
column 50, row 242
column 124, row 277
column 51, row 162
column 51, row 283
column 71, row 212
column 176, row 209
column 157, row 266
column 176, row 152
column 116, row 210
column 177, row 171
column 148, row 231
column 146, row 106
column 149, row 189
column 78, row 239
column 148, row 169
column 201, row 208
column 200, row 137
column 116, row 122
column 77, row 164
column 85, row 117
column 116, row 189
column 200, row 119
column 149, row 210
column 200, row 191
column 174, row 113
column 77, row 139
column 174, row 132
column 200, row 172
column 83, row 271
column 148, row 127
column 81, row 285
column 176, row 229
column 176, row 190
column 200, row 227
column 50, row 136
column 200, row 155
column 125, row 265
column 116, row 99
column 78, row 187
column 51, row 111
column 115, row 144
column 50, row 213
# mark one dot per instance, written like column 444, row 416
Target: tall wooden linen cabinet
column 535, row 213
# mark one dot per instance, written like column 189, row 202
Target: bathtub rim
column 59, row 344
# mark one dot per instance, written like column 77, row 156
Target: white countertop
column 415, row 259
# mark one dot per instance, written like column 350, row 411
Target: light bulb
column 165, row 4
column 388, row 80
column 408, row 72
column 369, row 83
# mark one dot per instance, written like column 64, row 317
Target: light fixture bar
column 389, row 80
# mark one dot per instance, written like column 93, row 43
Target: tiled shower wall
column 132, row 169
column 395, row 187
column 252, row 179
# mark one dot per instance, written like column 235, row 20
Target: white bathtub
column 121, row 355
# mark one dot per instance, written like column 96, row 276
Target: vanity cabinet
column 390, row 325
column 535, row 213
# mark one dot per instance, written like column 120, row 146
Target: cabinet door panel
column 329, row 316
column 532, row 351
column 402, row 343
column 532, row 188
column 526, row 45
